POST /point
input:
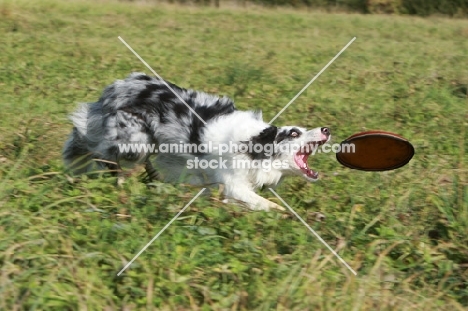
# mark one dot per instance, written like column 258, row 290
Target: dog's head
column 292, row 145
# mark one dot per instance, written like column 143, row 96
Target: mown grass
column 63, row 239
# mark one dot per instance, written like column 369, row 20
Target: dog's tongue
column 301, row 161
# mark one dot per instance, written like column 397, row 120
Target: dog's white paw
column 120, row 181
column 277, row 207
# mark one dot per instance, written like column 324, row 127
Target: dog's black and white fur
column 142, row 109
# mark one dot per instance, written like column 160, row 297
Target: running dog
column 142, row 111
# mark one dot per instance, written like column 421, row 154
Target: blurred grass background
column 63, row 239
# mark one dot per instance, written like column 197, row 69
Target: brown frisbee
column 375, row 151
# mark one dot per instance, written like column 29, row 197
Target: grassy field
column 63, row 239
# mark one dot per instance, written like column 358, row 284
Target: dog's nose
column 326, row 131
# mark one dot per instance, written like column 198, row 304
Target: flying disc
column 375, row 151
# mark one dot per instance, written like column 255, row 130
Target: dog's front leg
column 250, row 198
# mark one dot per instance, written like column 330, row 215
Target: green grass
column 63, row 239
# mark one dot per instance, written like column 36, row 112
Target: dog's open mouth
column 301, row 158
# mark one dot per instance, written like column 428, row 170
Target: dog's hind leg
column 117, row 171
column 151, row 171
column 114, row 169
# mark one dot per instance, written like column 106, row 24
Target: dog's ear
column 258, row 115
column 281, row 136
column 265, row 137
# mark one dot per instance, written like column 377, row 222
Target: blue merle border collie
column 143, row 110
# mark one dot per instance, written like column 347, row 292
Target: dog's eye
column 293, row 133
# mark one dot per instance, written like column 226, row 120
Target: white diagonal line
column 159, row 233
column 313, row 79
column 315, row 233
column 162, row 80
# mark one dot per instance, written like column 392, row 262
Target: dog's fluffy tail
column 76, row 155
